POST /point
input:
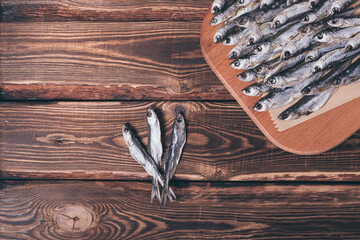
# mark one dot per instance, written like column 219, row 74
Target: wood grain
column 106, row 10
column 83, row 140
column 105, row 61
column 314, row 136
column 121, row 210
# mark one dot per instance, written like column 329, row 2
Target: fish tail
column 155, row 191
column 164, row 195
column 171, row 195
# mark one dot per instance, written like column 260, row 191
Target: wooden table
column 72, row 72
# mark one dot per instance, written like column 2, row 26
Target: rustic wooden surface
column 314, row 136
column 145, row 50
column 105, row 61
column 121, row 210
column 83, row 140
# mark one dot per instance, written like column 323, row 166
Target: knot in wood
column 75, row 218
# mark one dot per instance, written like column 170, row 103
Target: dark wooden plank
column 121, row 210
column 105, row 61
column 83, row 140
column 106, row 10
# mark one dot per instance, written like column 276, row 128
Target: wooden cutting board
column 313, row 136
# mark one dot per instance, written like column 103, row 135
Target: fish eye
column 287, row 54
column 277, row 23
column 272, row 80
column 258, row 106
column 313, row 4
column 306, row 90
column 228, row 40
column 283, row 116
column 259, row 48
column 334, row 21
column 306, row 18
column 149, row 114
column 317, row 69
column 310, row 59
column 320, row 36
column 337, row 81
column 243, row 75
column 179, row 119
column 335, row 10
column 349, row 48
column 246, row 90
column 237, row 63
column 233, row 55
column 258, row 69
column 216, row 9
column 241, row 1
column 126, row 130
column 251, row 40
column 214, row 20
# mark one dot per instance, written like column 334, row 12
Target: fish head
column 309, row 89
column 252, row 90
column 263, row 105
column 313, row 3
column 288, row 52
column 288, row 114
column 254, row 38
column 179, row 121
column 216, row 7
column 151, row 116
column 279, row 21
column 318, row 66
column 229, row 40
column 263, row 48
column 242, row 21
column 336, row 22
column 312, row 56
column 234, row 54
column 218, row 37
column 337, row 7
column 126, row 131
column 265, row 4
column 276, row 81
column 351, row 45
column 247, row 76
column 241, row 3
column 323, row 37
column 216, row 20
column 239, row 63
column 337, row 81
column 309, row 18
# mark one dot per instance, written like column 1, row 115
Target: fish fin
column 155, row 191
column 171, row 195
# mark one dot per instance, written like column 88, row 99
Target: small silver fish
column 173, row 155
column 224, row 30
column 291, row 78
column 344, row 22
column 284, row 65
column 320, row 14
column 290, row 13
column 353, row 43
column 350, row 75
column 250, row 76
column 140, row 154
column 307, row 105
column 154, row 147
column 241, row 50
column 340, row 5
column 332, row 58
column 226, row 14
column 324, row 48
column 217, row 6
column 280, row 98
column 324, row 82
column 345, row 33
column 256, row 89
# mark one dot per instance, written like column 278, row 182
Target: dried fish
column 173, row 155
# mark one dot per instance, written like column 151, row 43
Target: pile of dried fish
column 291, row 49
column 150, row 158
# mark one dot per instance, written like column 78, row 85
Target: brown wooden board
column 83, row 140
column 314, row 136
column 105, row 61
column 106, row 10
column 121, row 210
